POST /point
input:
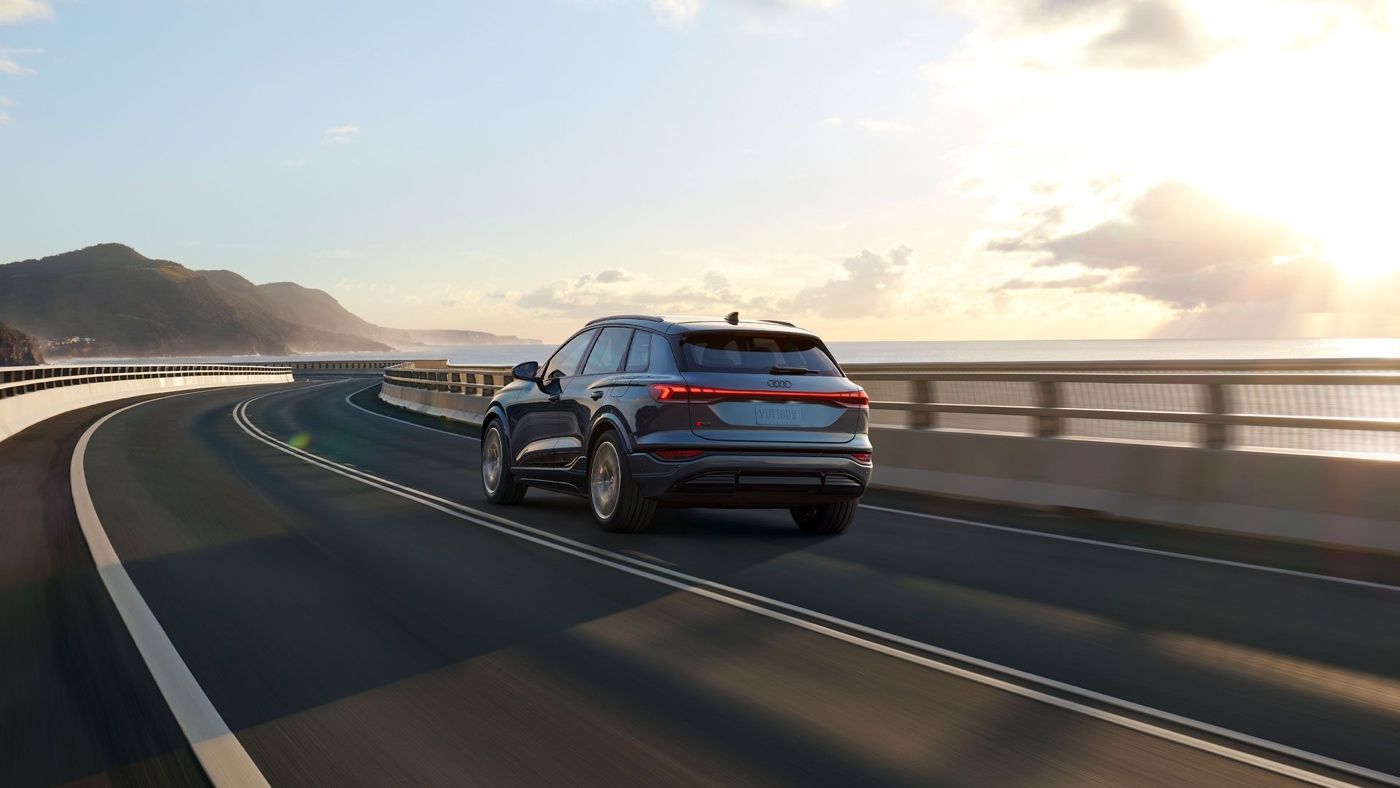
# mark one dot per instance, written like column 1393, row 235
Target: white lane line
column 1014, row 530
column 736, row 597
column 404, row 422
column 1135, row 549
column 216, row 747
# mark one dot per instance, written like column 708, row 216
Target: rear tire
column 615, row 499
column 497, row 481
column 826, row 518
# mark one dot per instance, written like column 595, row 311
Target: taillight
column 860, row 456
column 678, row 392
column 677, row 454
column 669, row 392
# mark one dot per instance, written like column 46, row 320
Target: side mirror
column 529, row 370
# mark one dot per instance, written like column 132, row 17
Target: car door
column 587, row 391
column 539, row 421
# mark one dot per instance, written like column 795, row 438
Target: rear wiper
column 789, row 371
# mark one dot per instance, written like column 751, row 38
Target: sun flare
column 1306, row 135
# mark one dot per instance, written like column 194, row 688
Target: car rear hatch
column 756, row 387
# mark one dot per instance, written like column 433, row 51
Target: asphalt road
column 362, row 623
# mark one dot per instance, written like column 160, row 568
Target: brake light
column 677, row 392
column 677, row 454
column 860, row 456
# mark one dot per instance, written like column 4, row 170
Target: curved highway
column 341, row 598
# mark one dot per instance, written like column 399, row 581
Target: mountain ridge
column 109, row 299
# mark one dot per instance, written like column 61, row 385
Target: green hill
column 110, row 300
column 128, row 304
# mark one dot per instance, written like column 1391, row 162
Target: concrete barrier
column 1326, row 500
column 1307, row 498
column 22, row 410
column 456, row 407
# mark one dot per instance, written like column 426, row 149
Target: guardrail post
column 1047, row 425
column 1216, row 434
column 922, row 394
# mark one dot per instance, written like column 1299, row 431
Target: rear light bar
column 678, row 392
column 677, row 454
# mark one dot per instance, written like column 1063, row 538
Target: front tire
column 827, row 518
column 616, row 501
column 497, row 481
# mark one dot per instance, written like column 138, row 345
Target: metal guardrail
column 374, row 365
column 16, row 381
column 1336, row 406
column 481, row 381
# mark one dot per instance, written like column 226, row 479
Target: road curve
column 350, row 634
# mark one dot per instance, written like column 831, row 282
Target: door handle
column 597, row 394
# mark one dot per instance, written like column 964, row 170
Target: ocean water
column 1004, row 351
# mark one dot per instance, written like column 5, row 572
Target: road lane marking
column 219, row 752
column 765, row 606
column 404, row 422
column 1136, row 549
column 1009, row 528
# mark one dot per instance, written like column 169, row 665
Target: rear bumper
column 750, row 479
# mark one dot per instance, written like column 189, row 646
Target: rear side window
column 639, row 356
column 607, row 353
column 567, row 359
column 759, row 354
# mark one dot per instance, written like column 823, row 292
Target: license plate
column 778, row 416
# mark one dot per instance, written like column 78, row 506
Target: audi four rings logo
column 779, row 384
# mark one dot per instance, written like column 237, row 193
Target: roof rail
column 780, row 322
column 652, row 318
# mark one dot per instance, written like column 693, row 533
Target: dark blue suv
column 636, row 411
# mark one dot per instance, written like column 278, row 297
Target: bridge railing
column 29, row 395
column 1347, row 406
column 477, row 381
column 1337, row 406
column 1297, row 450
column 15, row 381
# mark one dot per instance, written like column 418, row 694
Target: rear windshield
column 759, row 354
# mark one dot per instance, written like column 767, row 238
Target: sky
column 896, row 169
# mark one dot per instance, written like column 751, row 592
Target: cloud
column 869, row 284
column 24, row 10
column 340, row 135
column 681, row 12
column 677, row 11
column 590, row 296
column 613, row 275
column 1081, row 282
column 833, row 120
column 1187, row 249
column 1157, row 34
column 1118, row 34
column 8, row 64
column 866, row 285
column 885, row 126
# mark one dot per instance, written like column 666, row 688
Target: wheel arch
column 495, row 412
column 602, row 425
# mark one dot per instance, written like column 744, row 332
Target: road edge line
column 219, row 752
